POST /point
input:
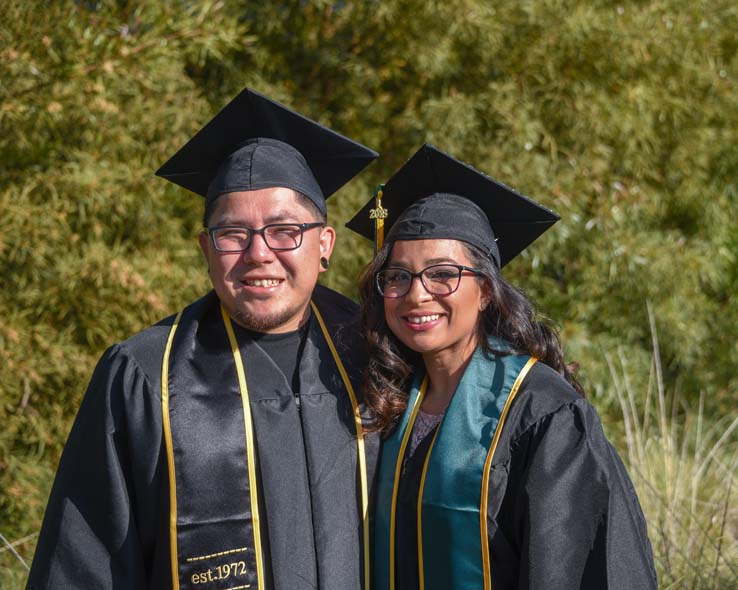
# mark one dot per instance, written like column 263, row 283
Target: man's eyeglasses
column 278, row 236
column 439, row 279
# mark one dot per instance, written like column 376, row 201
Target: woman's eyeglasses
column 438, row 279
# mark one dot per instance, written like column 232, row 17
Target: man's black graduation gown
column 107, row 522
column 562, row 513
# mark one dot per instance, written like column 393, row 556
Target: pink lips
column 422, row 322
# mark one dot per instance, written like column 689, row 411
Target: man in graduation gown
column 219, row 449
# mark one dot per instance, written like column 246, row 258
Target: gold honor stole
column 215, row 537
column 452, row 503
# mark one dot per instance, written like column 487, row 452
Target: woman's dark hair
column 509, row 316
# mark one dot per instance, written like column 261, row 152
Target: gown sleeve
column 572, row 509
column 93, row 536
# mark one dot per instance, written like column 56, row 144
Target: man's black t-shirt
column 285, row 350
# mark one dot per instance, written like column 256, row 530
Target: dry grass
column 684, row 469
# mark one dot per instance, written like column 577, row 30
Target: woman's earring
column 323, row 263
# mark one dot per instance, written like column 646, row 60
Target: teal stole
column 452, row 503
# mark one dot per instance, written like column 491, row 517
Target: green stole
column 452, row 506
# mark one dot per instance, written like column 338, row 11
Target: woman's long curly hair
column 509, row 316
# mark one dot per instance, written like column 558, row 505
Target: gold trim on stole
column 170, row 455
column 421, row 573
column 487, row 465
column 398, row 467
column 359, row 443
column 249, row 428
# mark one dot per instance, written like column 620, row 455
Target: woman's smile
column 434, row 324
column 423, row 321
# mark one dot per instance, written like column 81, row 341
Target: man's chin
column 273, row 321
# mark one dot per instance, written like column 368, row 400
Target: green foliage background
column 621, row 116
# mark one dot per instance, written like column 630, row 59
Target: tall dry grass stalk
column 684, row 469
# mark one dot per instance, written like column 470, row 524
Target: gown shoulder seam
column 121, row 348
column 548, row 415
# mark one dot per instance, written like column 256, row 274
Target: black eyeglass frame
column 261, row 231
column 419, row 275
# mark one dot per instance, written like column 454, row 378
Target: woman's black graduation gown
column 562, row 512
column 107, row 522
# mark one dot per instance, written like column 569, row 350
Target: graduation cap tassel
column 378, row 214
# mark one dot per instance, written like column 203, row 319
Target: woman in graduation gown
column 494, row 471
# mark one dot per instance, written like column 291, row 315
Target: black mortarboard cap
column 255, row 142
column 434, row 195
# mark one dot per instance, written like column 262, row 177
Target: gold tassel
column 378, row 215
